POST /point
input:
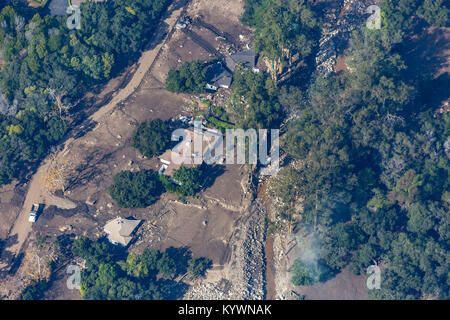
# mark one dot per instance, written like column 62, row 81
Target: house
column 218, row 77
column 247, row 58
column 120, row 230
column 185, row 149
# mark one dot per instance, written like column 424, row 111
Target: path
column 145, row 63
column 22, row 227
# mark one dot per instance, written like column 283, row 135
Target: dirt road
column 145, row 63
column 22, row 227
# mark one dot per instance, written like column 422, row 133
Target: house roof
column 218, row 76
column 247, row 58
column 119, row 230
column 186, row 151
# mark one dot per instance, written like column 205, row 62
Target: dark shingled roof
column 247, row 58
column 218, row 76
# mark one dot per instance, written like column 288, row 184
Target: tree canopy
column 136, row 189
column 152, row 137
column 48, row 67
column 190, row 78
column 113, row 274
column 372, row 165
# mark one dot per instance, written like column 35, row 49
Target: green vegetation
column 435, row 12
column 136, row 189
column 142, row 188
column 304, row 274
column 254, row 100
column 188, row 180
column 48, row 68
column 372, row 173
column 34, row 291
column 283, row 29
column 219, row 124
column 112, row 274
column 400, row 18
column 152, row 137
column 26, row 138
column 190, row 78
column 375, row 173
column 197, row 267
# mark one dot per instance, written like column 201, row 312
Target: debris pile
column 334, row 40
column 247, row 281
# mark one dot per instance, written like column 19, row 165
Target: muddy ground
column 205, row 225
column 223, row 223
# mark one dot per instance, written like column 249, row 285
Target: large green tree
column 152, row 137
column 135, row 189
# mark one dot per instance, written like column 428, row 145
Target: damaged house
column 217, row 76
column 247, row 58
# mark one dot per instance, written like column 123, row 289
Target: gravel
column 247, row 282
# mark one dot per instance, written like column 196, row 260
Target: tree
column 47, row 67
column 420, row 219
column 190, row 78
column 197, row 267
column 371, row 167
column 152, row 137
column 284, row 28
column 254, row 100
column 166, row 265
column 304, row 273
column 435, row 12
column 188, row 180
column 135, row 189
column 34, row 291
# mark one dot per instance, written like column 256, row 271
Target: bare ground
column 212, row 225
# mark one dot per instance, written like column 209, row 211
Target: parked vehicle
column 34, row 213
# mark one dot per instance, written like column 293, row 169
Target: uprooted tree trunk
column 57, row 175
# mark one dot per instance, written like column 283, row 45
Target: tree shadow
column 174, row 290
column 326, row 273
column 7, row 256
column 426, row 54
column 432, row 93
column 65, row 242
column 16, row 262
column 181, row 257
column 211, row 173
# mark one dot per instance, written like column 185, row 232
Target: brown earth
column 205, row 224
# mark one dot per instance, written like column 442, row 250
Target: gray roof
column 247, row 58
column 218, row 76
column 58, row 7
